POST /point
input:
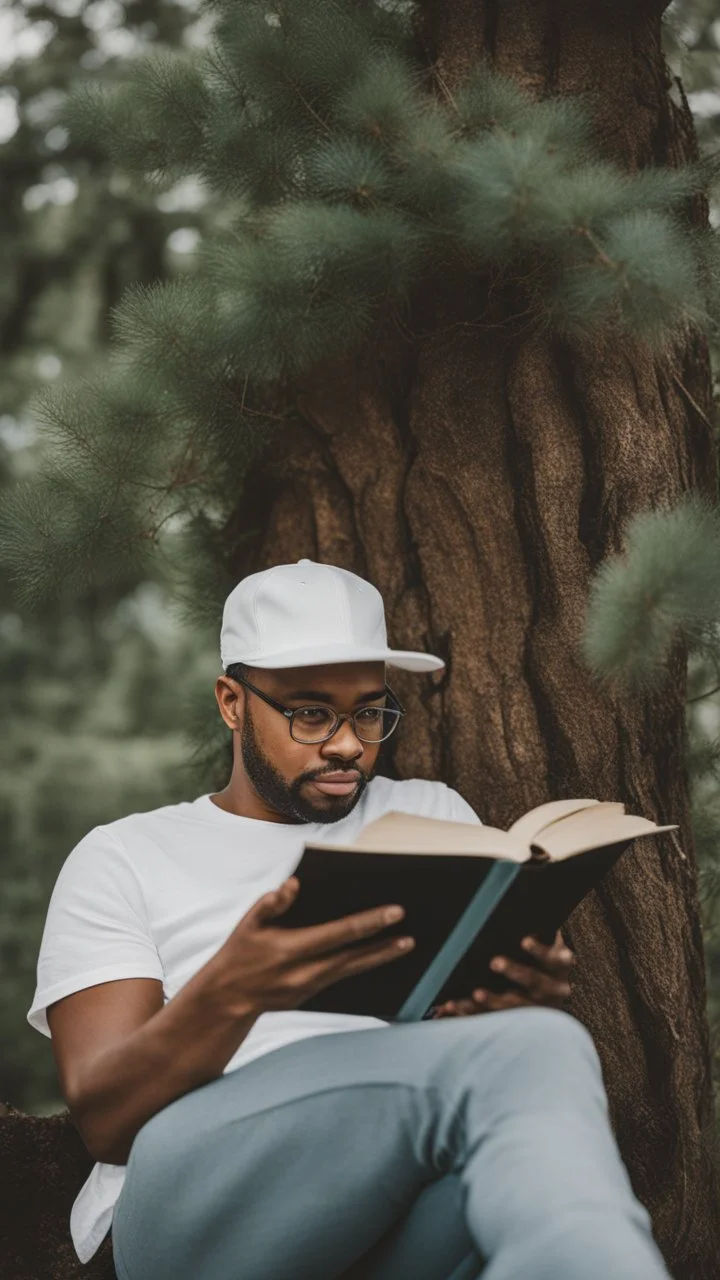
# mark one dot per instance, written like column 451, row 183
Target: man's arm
column 122, row 1056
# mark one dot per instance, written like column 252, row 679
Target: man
column 239, row 1136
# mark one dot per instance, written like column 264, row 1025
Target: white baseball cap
column 308, row 614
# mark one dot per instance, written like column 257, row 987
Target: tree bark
column 478, row 472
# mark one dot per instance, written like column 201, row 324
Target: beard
column 286, row 797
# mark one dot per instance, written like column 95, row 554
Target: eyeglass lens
column 371, row 724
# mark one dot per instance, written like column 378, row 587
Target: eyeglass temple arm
column 395, row 698
column 266, row 697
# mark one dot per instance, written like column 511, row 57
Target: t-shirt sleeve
column 96, row 927
column 428, row 799
column 460, row 810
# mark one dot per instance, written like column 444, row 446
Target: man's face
column 319, row 782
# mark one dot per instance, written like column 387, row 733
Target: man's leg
column 297, row 1164
column 429, row 1243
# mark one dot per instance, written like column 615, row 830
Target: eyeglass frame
column 289, row 712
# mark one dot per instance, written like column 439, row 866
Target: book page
column 410, row 833
column 594, row 830
column 534, row 820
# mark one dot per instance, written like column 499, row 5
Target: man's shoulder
column 411, row 795
column 421, row 796
column 125, row 832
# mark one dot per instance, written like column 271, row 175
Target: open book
column 470, row 892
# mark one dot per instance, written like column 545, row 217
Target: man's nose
column 343, row 742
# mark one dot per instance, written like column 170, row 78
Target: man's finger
column 555, row 948
column 556, row 959
column 358, row 959
column 319, row 939
column 493, row 1000
column 537, row 983
column 271, row 905
column 447, row 1010
column 457, row 1009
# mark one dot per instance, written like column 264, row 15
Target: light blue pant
column 436, row 1150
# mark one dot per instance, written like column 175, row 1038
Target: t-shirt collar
column 211, row 811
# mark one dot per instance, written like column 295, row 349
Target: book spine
column 491, row 891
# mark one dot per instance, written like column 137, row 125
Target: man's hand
column 547, row 985
column 261, row 967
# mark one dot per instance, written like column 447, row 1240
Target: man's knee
column 543, row 1038
column 540, row 1022
column 541, row 1027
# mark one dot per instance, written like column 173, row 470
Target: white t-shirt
column 154, row 895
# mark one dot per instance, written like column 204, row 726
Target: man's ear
column 230, row 697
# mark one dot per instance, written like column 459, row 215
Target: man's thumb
column 273, row 904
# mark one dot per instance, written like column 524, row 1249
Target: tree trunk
column 478, row 472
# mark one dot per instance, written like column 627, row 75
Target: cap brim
column 325, row 655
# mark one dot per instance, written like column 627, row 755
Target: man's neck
column 239, row 798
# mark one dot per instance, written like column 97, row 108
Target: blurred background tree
column 93, row 699
column 692, row 47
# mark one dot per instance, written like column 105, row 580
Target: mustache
column 352, row 771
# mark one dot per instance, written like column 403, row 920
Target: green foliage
column 94, row 728
column 645, row 291
column 73, row 231
column 314, row 280
column 349, row 178
column 276, row 115
column 134, row 133
column 667, row 581
column 92, row 703
column 54, row 562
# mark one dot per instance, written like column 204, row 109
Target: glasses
column 317, row 724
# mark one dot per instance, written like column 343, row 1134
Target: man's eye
column 313, row 715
